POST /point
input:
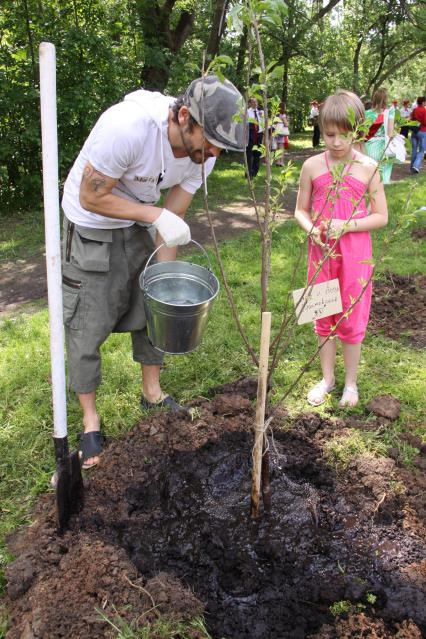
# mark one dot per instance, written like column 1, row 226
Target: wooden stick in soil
column 260, row 413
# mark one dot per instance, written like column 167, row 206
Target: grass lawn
column 26, row 451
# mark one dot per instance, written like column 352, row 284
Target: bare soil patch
column 398, row 308
column 419, row 234
column 166, row 530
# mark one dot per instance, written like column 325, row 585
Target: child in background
column 334, row 222
column 281, row 131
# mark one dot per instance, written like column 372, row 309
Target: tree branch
column 401, row 63
column 183, row 28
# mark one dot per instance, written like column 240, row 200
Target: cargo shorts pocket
column 90, row 249
column 72, row 302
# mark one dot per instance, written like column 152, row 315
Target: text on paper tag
column 319, row 300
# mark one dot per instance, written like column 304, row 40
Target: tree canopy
column 106, row 48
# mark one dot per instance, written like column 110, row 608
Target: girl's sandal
column 349, row 397
column 318, row 393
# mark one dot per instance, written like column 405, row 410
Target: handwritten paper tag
column 321, row 300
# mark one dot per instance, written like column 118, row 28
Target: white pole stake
column 52, row 233
column 262, row 384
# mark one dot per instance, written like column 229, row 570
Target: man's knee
column 143, row 351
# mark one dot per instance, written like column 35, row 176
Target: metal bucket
column 177, row 299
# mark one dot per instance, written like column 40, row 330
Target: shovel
column 68, row 478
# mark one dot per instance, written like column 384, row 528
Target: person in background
column 418, row 136
column 314, row 121
column 144, row 144
column 281, row 131
column 255, row 137
column 396, row 109
column 405, row 113
column 345, row 224
column 375, row 144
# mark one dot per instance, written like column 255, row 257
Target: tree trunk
column 355, row 79
column 217, row 27
column 286, row 61
column 161, row 42
column 374, row 84
column 242, row 50
column 286, row 52
column 30, row 43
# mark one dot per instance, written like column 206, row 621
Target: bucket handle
column 158, row 248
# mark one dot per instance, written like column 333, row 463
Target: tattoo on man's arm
column 95, row 182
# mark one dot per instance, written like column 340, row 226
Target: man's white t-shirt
column 256, row 114
column 314, row 112
column 129, row 142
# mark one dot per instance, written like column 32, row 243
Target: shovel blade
column 69, row 486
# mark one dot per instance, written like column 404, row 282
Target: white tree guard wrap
column 52, row 233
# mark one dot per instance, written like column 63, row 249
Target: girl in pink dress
column 331, row 208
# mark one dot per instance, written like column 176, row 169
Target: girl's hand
column 337, row 228
column 315, row 235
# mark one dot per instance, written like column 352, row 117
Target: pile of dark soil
column 398, row 308
column 419, row 233
column 166, row 530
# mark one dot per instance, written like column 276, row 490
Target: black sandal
column 90, row 445
column 168, row 403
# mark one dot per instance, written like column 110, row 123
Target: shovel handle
column 158, row 248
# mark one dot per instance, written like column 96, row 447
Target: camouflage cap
column 222, row 103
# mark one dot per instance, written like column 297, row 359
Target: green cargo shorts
column 101, row 295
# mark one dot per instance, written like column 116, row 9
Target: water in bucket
column 177, row 299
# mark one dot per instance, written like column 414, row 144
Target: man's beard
column 195, row 155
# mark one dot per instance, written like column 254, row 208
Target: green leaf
column 276, row 73
column 236, row 19
column 20, row 55
column 351, row 116
column 273, row 19
column 225, row 59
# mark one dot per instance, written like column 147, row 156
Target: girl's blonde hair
column 343, row 109
column 380, row 99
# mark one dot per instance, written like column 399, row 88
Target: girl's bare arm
column 377, row 218
column 302, row 212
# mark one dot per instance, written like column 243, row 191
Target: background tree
column 165, row 27
column 106, row 48
column 218, row 24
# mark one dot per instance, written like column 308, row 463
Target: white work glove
column 172, row 228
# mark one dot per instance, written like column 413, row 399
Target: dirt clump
column 385, row 406
column 90, row 578
column 166, row 525
column 355, row 626
column 419, row 234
